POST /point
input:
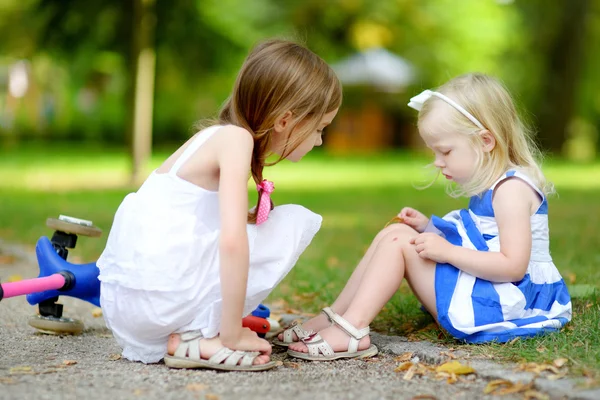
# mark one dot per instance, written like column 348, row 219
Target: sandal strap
column 317, row 345
column 233, row 357
column 221, row 355
column 346, row 326
column 297, row 329
column 249, row 357
column 354, row 333
column 189, row 345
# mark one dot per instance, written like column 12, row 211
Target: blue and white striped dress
column 476, row 310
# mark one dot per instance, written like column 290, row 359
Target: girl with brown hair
column 185, row 260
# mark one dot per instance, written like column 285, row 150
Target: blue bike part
column 262, row 311
column 86, row 285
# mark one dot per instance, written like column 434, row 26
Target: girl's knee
column 399, row 233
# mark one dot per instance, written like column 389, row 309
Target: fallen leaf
column 211, row 396
column 291, row 364
column 533, row 394
column 114, row 357
column 424, row 397
column 559, row 362
column 572, row 278
column 455, row 367
column 541, row 349
column 403, row 366
column 7, row 381
column 555, row 377
column 496, row 384
column 196, row 387
column 513, row 388
column 448, row 354
column 7, row 259
column 138, row 392
column 410, row 373
column 395, row 220
column 404, row 357
column 97, row 312
column 22, row 370
column 69, row 362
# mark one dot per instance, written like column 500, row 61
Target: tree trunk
column 564, row 58
column 142, row 72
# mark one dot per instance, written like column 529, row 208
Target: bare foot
column 337, row 339
column 315, row 324
column 208, row 348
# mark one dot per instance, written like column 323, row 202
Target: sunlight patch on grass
column 87, row 167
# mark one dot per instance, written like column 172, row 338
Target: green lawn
column 356, row 196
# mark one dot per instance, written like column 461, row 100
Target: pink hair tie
column 265, row 188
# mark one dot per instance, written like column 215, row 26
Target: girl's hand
column 249, row 341
column 431, row 246
column 414, row 219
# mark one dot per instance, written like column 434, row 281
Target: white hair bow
column 417, row 102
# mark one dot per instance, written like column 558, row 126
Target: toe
column 262, row 359
column 299, row 346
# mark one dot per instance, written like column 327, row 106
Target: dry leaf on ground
column 559, row 362
column 7, row 259
column 21, row 370
column 501, row 387
column 535, row 395
column 69, row 362
column 97, row 312
column 403, row 366
column 196, row 387
column 455, row 367
column 404, row 357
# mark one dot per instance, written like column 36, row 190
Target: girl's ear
column 489, row 141
column 282, row 122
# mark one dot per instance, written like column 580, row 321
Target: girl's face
column 455, row 155
column 314, row 139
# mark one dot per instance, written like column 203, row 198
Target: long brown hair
column 280, row 76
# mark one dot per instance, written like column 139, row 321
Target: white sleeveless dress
column 476, row 310
column 159, row 271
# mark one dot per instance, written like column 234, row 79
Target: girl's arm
column 233, row 156
column 513, row 203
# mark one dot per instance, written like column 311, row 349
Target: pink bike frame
column 27, row 286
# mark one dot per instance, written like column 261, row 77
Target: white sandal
column 288, row 338
column 320, row 350
column 187, row 355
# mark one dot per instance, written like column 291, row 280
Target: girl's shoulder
column 515, row 179
column 515, row 186
column 232, row 136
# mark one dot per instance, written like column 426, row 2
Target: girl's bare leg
column 393, row 259
column 340, row 305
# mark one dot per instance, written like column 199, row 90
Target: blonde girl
column 484, row 273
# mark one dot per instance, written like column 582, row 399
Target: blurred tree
column 558, row 30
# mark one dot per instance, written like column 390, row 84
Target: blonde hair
column 490, row 103
column 280, row 76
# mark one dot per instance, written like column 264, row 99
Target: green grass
column 356, row 196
